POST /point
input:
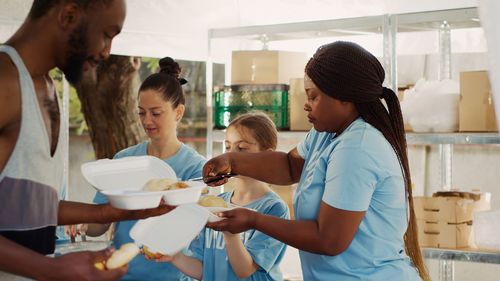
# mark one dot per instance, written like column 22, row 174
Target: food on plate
column 119, row 257
column 204, row 191
column 151, row 254
column 212, row 201
column 164, row 184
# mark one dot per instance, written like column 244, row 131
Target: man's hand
column 80, row 266
column 146, row 213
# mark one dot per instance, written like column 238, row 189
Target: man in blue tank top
column 73, row 36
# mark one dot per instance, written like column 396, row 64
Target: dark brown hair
column 347, row 72
column 167, row 82
column 41, row 7
column 261, row 127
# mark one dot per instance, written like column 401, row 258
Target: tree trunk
column 109, row 104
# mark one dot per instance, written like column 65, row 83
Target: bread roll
column 122, row 256
column 212, row 201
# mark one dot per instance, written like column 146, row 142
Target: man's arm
column 19, row 260
column 97, row 229
column 75, row 266
column 76, row 212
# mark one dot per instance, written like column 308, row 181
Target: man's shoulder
column 10, row 101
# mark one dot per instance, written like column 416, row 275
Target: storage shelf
column 453, row 138
column 467, row 255
column 408, row 22
column 411, row 138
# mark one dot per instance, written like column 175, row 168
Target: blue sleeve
column 100, row 198
column 350, row 180
column 121, row 154
column 304, row 146
column 265, row 250
column 197, row 247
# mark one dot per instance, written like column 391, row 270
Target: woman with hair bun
column 161, row 107
column 354, row 217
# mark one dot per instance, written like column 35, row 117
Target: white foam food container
column 132, row 200
column 128, row 173
column 212, row 216
column 122, row 181
column 170, row 233
column 186, row 195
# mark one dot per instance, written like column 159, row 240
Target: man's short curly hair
column 41, row 7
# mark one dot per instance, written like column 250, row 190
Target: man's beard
column 78, row 45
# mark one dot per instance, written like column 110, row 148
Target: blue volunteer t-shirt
column 356, row 171
column 187, row 164
column 266, row 252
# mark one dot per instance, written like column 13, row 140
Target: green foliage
column 77, row 123
column 152, row 64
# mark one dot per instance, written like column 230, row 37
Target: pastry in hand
column 119, row 257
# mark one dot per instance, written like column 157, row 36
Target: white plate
column 128, row 173
column 170, row 233
column 132, row 200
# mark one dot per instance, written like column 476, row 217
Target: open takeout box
column 170, row 233
column 122, row 180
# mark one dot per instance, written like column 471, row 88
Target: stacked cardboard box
column 297, row 96
column 476, row 108
column 445, row 220
column 266, row 67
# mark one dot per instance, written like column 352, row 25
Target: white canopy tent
column 154, row 28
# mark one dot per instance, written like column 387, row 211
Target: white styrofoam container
column 170, row 233
column 122, row 181
column 212, row 217
column 190, row 194
column 132, row 201
column 128, row 173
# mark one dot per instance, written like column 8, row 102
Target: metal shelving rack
column 388, row 26
column 466, row 255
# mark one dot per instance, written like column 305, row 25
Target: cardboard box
column 297, row 97
column 440, row 234
column 447, row 209
column 476, row 109
column 266, row 67
column 452, row 206
column 445, row 220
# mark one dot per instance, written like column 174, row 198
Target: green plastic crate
column 237, row 99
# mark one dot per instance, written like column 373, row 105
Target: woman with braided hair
column 354, row 217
